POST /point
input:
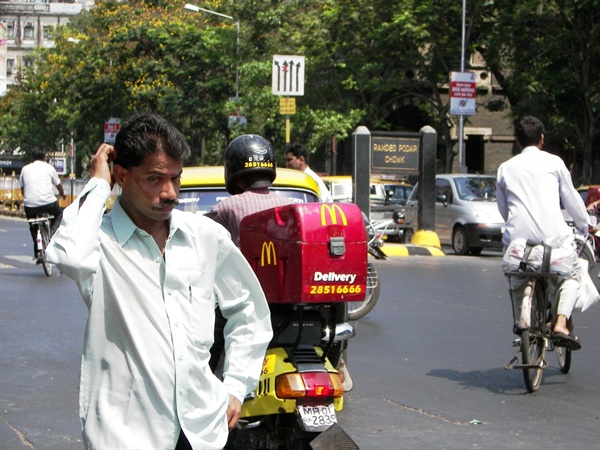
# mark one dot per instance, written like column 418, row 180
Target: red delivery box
column 308, row 252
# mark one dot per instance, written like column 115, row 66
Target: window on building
column 10, row 66
column 10, row 29
column 48, row 32
column 28, row 30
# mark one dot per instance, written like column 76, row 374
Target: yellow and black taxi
column 382, row 209
column 204, row 186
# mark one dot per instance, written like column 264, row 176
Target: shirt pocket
column 201, row 315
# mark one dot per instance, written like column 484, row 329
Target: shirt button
column 169, row 292
column 181, row 358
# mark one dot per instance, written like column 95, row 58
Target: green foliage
column 377, row 63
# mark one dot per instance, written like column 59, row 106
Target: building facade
column 25, row 25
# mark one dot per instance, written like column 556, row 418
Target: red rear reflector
column 318, row 384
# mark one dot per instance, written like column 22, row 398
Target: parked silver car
column 466, row 213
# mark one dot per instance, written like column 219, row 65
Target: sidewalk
column 10, row 213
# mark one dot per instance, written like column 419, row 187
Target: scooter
column 310, row 261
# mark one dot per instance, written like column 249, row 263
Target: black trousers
column 51, row 208
column 183, row 443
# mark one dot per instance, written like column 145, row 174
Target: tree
column 376, row 63
column 547, row 58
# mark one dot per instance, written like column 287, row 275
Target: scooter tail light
column 322, row 384
column 338, row 388
column 290, row 385
column 309, row 385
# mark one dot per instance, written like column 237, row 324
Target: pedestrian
column 151, row 277
column 37, row 182
column 531, row 187
column 296, row 157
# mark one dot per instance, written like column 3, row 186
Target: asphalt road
column 427, row 362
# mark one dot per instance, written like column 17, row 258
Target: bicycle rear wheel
column 44, row 229
column 533, row 350
column 533, row 344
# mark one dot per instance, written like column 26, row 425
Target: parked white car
column 466, row 213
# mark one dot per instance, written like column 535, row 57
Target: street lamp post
column 195, row 8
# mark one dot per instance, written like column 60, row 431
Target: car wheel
column 408, row 234
column 459, row 241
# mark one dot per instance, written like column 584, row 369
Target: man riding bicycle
column 36, row 182
column 531, row 186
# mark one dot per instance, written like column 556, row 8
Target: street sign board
column 395, row 153
column 288, row 75
column 287, row 105
column 463, row 93
column 111, row 128
column 60, row 164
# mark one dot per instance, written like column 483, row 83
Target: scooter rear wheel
column 357, row 310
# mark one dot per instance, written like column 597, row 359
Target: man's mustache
column 165, row 203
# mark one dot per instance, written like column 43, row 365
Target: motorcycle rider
column 250, row 169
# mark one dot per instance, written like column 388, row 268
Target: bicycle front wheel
column 44, row 229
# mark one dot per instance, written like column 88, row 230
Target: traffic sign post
column 463, row 93
column 288, row 75
column 111, row 128
column 288, row 80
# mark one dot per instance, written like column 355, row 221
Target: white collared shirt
column 324, row 194
column 38, row 180
column 145, row 372
column 530, row 188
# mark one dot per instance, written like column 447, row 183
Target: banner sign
column 111, row 128
column 463, row 93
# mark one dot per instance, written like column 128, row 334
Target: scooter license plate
column 317, row 417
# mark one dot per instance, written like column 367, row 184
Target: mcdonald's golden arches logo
column 333, row 210
column 268, row 250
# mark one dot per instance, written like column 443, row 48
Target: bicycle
column 534, row 316
column 41, row 224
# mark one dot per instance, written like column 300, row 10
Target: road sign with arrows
column 288, row 75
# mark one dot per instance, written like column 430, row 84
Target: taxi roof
column 214, row 176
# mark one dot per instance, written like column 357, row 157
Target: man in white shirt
column 531, row 186
column 37, row 182
column 151, row 277
column 296, row 157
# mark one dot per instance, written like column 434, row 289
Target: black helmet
column 248, row 154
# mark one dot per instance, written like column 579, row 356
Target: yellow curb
column 426, row 238
column 410, row 250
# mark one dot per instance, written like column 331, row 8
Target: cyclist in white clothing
column 37, row 181
column 531, row 186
